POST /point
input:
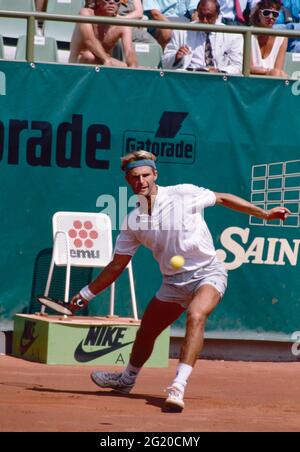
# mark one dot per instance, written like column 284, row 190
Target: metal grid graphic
column 277, row 184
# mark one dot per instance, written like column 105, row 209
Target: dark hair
column 263, row 4
column 90, row 4
column 215, row 2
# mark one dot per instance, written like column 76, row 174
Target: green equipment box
column 55, row 339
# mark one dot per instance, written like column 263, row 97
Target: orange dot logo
column 77, row 224
column 93, row 235
column 72, row 233
column 83, row 234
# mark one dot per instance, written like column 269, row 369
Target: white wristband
column 87, row 294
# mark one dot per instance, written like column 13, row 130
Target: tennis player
column 169, row 221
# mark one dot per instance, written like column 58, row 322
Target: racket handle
column 80, row 303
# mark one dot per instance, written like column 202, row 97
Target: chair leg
column 67, row 286
column 112, row 299
column 49, row 280
column 132, row 291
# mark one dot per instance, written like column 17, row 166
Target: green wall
column 63, row 130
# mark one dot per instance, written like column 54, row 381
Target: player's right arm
column 110, row 273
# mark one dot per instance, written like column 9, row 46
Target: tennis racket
column 56, row 305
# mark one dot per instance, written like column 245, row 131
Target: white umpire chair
column 82, row 239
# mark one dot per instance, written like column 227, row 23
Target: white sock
column 131, row 373
column 182, row 374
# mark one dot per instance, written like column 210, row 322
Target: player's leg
column 158, row 316
column 203, row 303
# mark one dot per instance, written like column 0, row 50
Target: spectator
column 168, row 10
column 235, row 12
column 268, row 52
column 94, row 43
column 133, row 9
column 290, row 12
column 200, row 51
column 289, row 19
column 41, row 5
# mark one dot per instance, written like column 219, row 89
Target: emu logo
column 2, row 84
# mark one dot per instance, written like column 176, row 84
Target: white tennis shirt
column 175, row 227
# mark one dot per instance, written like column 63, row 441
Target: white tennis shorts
column 181, row 288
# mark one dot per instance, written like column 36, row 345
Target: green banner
column 63, row 130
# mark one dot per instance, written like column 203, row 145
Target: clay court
column 221, row 396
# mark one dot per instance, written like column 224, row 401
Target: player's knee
column 196, row 318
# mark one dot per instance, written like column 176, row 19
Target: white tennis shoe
column 174, row 402
column 112, row 380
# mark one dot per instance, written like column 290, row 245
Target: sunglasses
column 116, row 1
column 207, row 16
column 269, row 12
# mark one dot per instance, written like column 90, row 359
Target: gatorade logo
column 106, row 340
column 69, row 144
column 168, row 143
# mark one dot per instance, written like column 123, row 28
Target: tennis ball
column 177, row 262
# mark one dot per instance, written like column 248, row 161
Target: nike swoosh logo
column 84, row 357
column 25, row 347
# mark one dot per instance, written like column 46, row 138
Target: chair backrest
column 61, row 31
column 45, row 49
column 17, row 5
column 64, row 6
column 148, row 55
column 13, row 28
column 292, row 64
column 85, row 239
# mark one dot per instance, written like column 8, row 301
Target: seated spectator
column 200, row 51
column 290, row 12
column 168, row 10
column 133, row 9
column 235, row 12
column 267, row 52
column 41, row 5
column 94, row 43
column 289, row 19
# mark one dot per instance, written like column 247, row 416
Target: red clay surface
column 221, row 396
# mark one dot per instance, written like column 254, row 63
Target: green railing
column 245, row 31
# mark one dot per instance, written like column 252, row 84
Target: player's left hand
column 278, row 213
